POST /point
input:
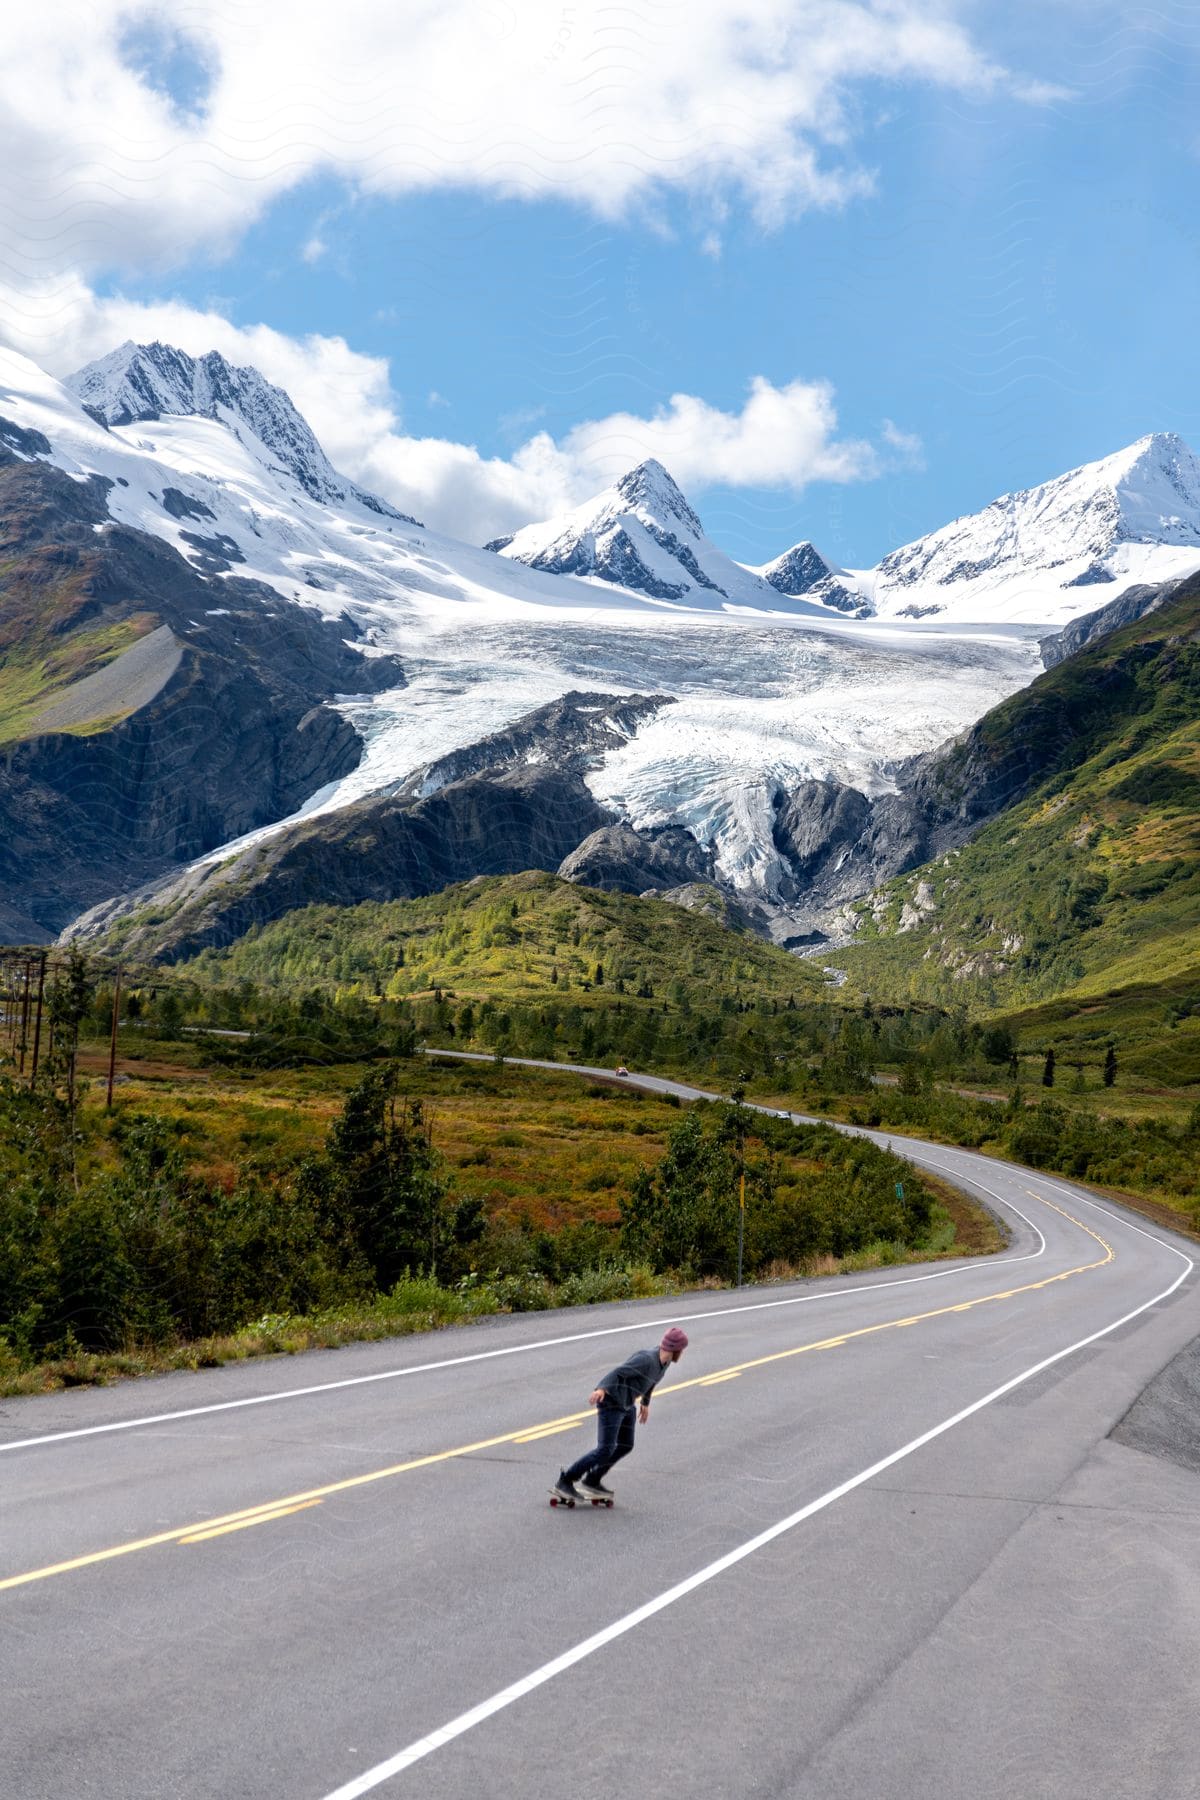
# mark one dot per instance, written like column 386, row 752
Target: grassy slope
column 45, row 663
column 1154, row 1028
column 519, row 937
column 1089, row 887
column 53, row 627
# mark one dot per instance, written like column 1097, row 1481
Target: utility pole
column 26, row 970
column 37, row 1028
column 112, row 1042
column 739, row 1093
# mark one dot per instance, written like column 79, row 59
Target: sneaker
column 565, row 1488
column 593, row 1489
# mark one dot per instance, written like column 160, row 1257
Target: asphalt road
column 876, row 1541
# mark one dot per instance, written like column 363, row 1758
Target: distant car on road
column 621, row 1069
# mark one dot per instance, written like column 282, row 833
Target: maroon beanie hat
column 674, row 1340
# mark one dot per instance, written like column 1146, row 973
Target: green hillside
column 1091, row 884
column 1152, row 1027
column 523, row 937
column 524, row 964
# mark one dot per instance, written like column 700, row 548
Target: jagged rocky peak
column 142, row 382
column 798, row 569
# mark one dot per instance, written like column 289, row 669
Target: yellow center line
column 252, row 1515
column 262, row 1518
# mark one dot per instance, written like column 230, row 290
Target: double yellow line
column 269, row 1510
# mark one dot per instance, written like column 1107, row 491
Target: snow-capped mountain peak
column 642, row 535
column 1074, row 531
column 650, row 489
column 143, row 382
column 1032, row 557
column 1156, row 482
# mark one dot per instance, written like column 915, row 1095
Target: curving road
column 877, row 1541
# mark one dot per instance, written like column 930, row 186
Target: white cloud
column 136, row 134
column 907, row 444
column 782, row 437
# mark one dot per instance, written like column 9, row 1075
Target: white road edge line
column 436, row 1740
column 452, row 1362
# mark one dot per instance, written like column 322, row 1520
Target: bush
column 521, row 1293
column 592, row 1286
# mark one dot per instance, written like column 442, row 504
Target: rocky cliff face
column 1133, row 604
column 517, row 800
column 573, row 732
column 146, row 712
column 394, row 849
column 639, row 862
column 798, row 569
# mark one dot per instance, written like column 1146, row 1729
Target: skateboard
column 556, row 1499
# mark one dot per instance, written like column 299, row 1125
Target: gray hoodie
column 634, row 1379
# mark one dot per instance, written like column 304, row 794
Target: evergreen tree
column 684, row 1214
column 383, row 1180
column 1110, row 1066
column 1048, row 1070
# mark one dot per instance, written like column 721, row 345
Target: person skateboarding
column 622, row 1397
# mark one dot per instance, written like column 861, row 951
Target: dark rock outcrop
column 638, row 862
column 381, row 849
column 798, row 569
column 813, row 824
column 575, row 730
column 1133, row 604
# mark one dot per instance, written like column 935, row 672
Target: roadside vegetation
column 1076, row 1110
column 218, row 1212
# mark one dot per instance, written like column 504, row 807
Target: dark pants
column 614, row 1439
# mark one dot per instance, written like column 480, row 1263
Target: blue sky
column 1016, row 292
